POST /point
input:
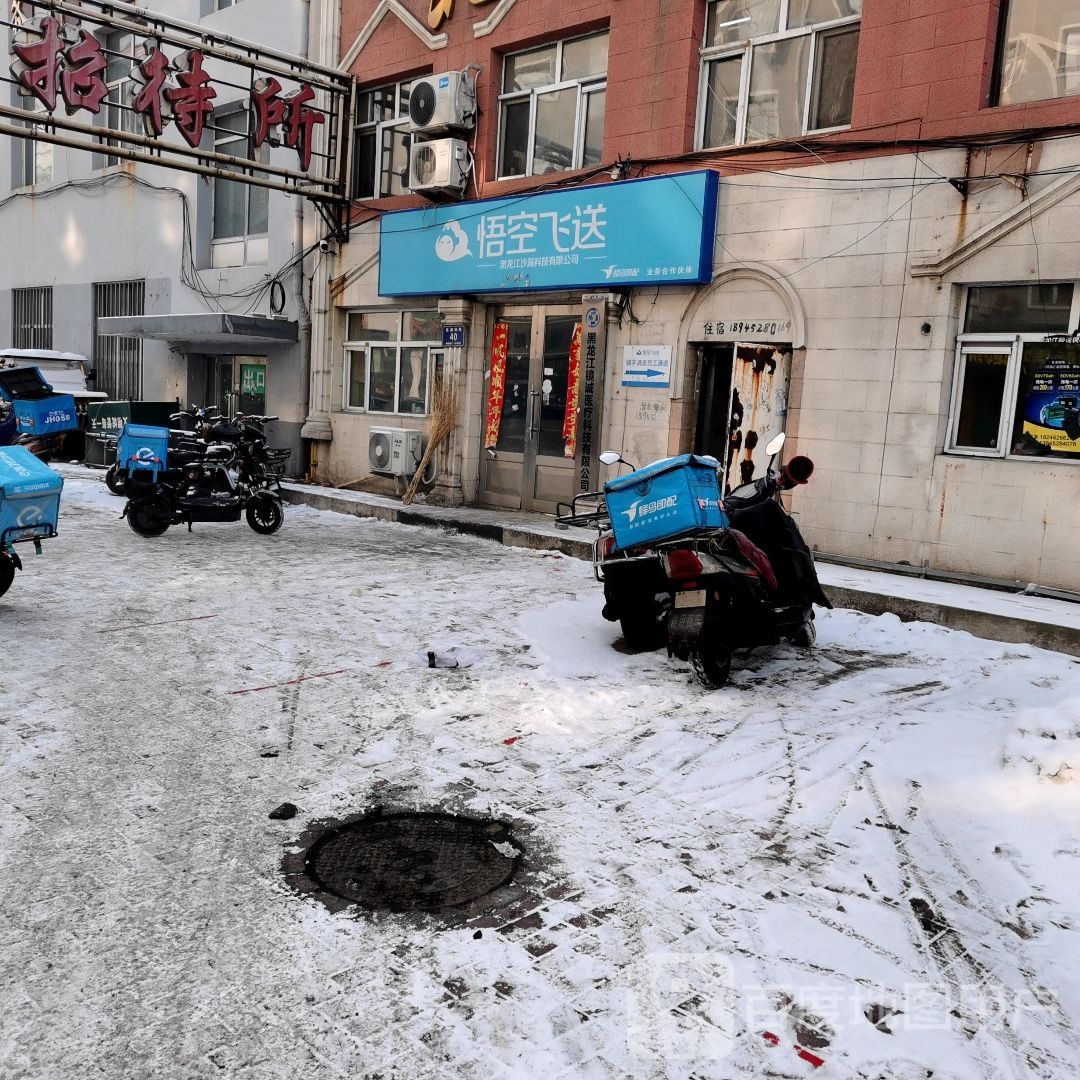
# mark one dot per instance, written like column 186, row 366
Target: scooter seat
column 756, row 557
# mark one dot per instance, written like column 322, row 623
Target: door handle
column 533, row 405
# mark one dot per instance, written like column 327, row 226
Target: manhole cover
column 414, row 861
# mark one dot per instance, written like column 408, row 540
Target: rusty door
column 759, row 397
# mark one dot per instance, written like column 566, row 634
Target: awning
column 207, row 332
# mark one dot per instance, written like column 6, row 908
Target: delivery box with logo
column 142, row 448
column 29, row 497
column 668, row 498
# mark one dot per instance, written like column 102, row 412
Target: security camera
column 326, row 246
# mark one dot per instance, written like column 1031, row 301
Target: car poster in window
column 1051, row 410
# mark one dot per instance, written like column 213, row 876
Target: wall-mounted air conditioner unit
column 439, row 165
column 442, row 103
column 394, row 451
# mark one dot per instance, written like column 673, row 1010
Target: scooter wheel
column 150, row 517
column 806, row 635
column 114, row 481
column 264, row 514
column 7, row 572
column 712, row 665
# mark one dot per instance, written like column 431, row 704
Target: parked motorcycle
column 706, row 575
column 259, row 465
column 168, row 487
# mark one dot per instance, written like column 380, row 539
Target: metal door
column 525, row 467
column 759, row 400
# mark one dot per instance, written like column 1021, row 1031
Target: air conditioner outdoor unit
column 394, row 451
column 442, row 102
column 439, row 165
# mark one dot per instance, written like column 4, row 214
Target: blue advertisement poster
column 653, row 231
column 1051, row 410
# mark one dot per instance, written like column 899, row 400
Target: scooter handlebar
column 797, row 471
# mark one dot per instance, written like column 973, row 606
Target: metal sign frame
column 57, row 53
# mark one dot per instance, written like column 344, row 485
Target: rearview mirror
column 611, row 457
column 775, row 444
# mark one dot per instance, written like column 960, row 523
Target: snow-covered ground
column 860, row 862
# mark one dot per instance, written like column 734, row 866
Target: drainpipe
column 303, row 313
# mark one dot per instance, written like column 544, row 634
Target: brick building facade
column 889, row 246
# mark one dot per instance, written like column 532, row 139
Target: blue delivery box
column 142, row 448
column 29, row 497
column 668, row 498
column 38, row 411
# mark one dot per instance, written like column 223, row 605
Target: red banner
column 573, row 379
column 496, row 384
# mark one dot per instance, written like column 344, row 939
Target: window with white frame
column 33, row 158
column 551, row 109
column 117, row 113
column 381, row 141
column 1040, row 51
column 239, row 209
column 1016, row 385
column 388, row 357
column 777, row 69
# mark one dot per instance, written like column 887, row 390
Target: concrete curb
column 983, row 624
column 577, row 543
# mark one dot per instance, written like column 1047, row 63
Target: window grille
column 32, row 318
column 118, row 360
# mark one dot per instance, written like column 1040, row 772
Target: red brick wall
column 931, row 62
column 924, row 71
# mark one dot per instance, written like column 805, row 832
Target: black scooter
column 209, row 486
column 711, row 592
column 748, row 585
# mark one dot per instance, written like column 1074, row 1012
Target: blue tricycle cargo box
column 46, row 416
column 38, row 411
column 665, row 499
column 29, row 497
column 142, row 447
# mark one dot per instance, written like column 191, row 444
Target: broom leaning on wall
column 440, row 423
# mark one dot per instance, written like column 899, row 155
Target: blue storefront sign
column 653, row 231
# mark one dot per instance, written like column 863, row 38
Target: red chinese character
column 154, row 70
column 299, row 122
column 272, row 111
column 81, row 82
column 39, row 75
column 269, row 109
column 191, row 99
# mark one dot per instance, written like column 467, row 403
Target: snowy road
column 856, row 863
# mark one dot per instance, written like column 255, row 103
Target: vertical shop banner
column 573, row 384
column 1052, row 405
column 593, row 352
column 496, row 384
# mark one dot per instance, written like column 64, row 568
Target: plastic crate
column 29, row 497
column 142, row 448
column 669, row 498
column 49, row 415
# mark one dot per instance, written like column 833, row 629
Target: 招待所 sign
column 653, row 231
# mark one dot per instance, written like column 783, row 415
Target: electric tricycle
column 29, row 507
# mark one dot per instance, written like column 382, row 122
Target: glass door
column 523, row 466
